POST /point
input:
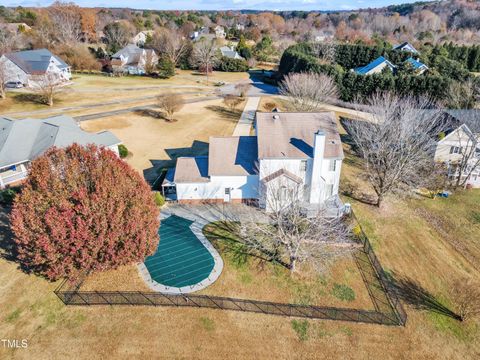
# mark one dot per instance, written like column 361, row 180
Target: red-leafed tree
column 83, row 209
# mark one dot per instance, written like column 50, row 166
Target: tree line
column 443, row 71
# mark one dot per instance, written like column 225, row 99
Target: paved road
column 248, row 115
column 136, row 108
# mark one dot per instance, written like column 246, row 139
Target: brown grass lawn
column 407, row 246
column 97, row 89
column 155, row 142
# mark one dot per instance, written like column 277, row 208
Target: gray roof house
column 229, row 52
column 21, row 141
column 133, row 59
column 23, row 65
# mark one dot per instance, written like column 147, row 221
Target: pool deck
column 196, row 227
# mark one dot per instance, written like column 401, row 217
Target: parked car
column 14, row 84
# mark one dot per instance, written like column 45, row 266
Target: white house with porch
column 22, row 141
column 290, row 152
column 25, row 66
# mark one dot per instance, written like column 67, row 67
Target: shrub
column 343, row 292
column 166, row 68
column 83, row 209
column 7, row 196
column 232, row 65
column 122, row 151
column 301, row 328
column 159, row 199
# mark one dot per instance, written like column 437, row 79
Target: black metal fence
column 137, row 298
column 392, row 314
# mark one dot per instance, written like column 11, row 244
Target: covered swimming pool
column 184, row 261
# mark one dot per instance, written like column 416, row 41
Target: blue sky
column 221, row 4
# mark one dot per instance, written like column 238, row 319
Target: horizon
column 223, row 5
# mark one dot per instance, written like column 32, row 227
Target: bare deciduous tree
column 289, row 237
column 170, row 44
column 242, row 88
column 204, row 55
column 308, row 91
column 3, row 78
column 47, row 86
column 68, row 21
column 150, row 62
column 461, row 95
column 397, row 142
column 466, row 299
column 325, row 50
column 232, row 101
column 170, row 104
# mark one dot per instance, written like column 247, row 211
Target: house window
column 455, row 150
column 332, row 166
column 329, row 190
column 227, row 191
column 282, row 193
column 303, row 165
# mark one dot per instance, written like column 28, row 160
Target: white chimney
column 317, row 181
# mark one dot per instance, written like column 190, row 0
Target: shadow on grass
column 225, row 113
column 412, row 293
column 29, row 98
column 224, row 234
column 152, row 114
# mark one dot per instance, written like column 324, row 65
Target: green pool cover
column 180, row 259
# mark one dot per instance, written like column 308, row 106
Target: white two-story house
column 291, row 153
column 25, row 66
column 459, row 150
column 134, row 60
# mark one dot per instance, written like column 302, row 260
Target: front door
column 226, row 196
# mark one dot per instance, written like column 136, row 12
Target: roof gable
column 374, row 64
column 35, row 62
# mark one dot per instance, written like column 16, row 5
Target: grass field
column 97, row 90
column 154, row 142
column 407, row 245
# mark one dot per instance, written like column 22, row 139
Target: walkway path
column 246, row 120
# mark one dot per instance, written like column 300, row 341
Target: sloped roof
column 34, row 62
column 282, row 172
column 229, row 53
column 191, row 170
column 416, row 63
column 406, row 46
column 367, row 68
column 24, row 140
column 133, row 53
column 291, row 135
column 233, row 156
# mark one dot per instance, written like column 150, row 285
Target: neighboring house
column 299, row 152
column 460, row 144
column 406, row 46
column 22, row 141
column 240, row 27
column 141, row 38
column 133, row 59
column 194, row 35
column 417, row 65
column 23, row 66
column 375, row 67
column 219, row 32
column 229, row 52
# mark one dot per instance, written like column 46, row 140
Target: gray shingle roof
column 24, row 140
column 191, row 170
column 233, row 156
column 34, row 62
column 291, row 135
